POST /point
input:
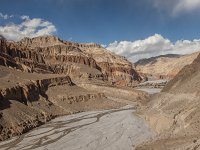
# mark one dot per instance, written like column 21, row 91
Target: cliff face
column 117, row 68
column 67, row 57
column 20, row 57
column 166, row 66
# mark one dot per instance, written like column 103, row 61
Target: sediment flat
column 108, row 129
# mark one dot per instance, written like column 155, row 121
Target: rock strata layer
column 49, row 54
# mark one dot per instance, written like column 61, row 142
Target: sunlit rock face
column 49, row 54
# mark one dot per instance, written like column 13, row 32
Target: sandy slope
column 175, row 112
column 108, row 129
column 164, row 66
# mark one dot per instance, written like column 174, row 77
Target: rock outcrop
column 164, row 66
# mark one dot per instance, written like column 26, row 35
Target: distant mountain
column 164, row 66
column 154, row 59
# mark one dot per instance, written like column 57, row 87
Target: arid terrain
column 45, row 77
column 174, row 113
column 58, row 94
column 99, row 75
column 164, row 66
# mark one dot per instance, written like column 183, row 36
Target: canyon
column 45, row 77
column 58, row 94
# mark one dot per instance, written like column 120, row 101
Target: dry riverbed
column 108, row 129
column 152, row 87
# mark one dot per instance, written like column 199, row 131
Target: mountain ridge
column 58, row 56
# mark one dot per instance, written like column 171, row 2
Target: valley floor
column 109, row 129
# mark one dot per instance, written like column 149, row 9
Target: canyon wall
column 99, row 61
column 49, row 54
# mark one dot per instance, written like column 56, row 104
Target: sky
column 133, row 28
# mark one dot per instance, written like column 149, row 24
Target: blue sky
column 102, row 21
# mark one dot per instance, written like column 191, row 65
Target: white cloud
column 5, row 16
column 153, row 46
column 27, row 28
column 186, row 5
column 24, row 17
column 176, row 7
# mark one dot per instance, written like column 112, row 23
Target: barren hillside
column 164, row 66
column 175, row 113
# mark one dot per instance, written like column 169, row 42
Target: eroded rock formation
column 49, row 54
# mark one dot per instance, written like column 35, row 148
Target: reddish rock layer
column 50, row 54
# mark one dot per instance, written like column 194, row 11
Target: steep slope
column 186, row 80
column 175, row 112
column 49, row 54
column 164, row 66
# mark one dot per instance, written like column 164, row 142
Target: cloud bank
column 176, row 7
column 153, row 46
column 27, row 28
column 5, row 16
